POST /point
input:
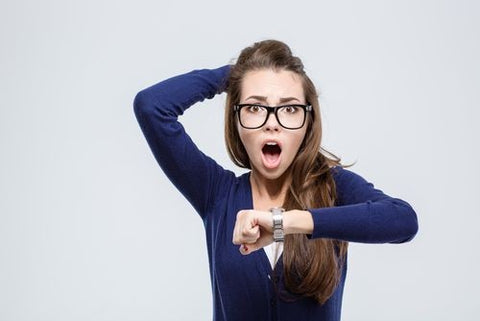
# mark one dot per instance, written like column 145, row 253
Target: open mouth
column 271, row 154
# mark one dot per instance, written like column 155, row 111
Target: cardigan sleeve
column 157, row 108
column 364, row 214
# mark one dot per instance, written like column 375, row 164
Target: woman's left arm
column 363, row 214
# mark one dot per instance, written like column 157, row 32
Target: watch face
column 277, row 215
column 277, row 221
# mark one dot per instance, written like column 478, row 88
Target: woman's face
column 271, row 148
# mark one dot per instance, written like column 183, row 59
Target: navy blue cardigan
column 244, row 286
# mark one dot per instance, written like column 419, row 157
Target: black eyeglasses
column 253, row 116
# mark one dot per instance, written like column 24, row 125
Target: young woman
column 277, row 235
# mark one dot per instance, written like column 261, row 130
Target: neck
column 269, row 193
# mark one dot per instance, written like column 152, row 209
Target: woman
column 291, row 216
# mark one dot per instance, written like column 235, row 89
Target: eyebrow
column 264, row 99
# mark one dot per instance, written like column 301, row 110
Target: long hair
column 312, row 268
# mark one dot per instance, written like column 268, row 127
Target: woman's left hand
column 253, row 230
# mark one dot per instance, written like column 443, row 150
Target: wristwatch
column 277, row 217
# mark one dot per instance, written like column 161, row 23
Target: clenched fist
column 253, row 230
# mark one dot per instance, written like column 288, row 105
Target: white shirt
column 273, row 252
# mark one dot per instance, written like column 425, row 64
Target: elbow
column 407, row 223
column 141, row 104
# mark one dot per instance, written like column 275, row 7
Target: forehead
column 272, row 84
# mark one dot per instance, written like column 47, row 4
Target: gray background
column 90, row 228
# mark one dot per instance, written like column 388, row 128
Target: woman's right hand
column 253, row 230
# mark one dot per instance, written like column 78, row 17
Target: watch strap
column 277, row 218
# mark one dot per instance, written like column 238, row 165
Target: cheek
column 297, row 141
column 300, row 136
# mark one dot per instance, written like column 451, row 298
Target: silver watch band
column 277, row 218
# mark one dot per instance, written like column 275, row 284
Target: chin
column 272, row 174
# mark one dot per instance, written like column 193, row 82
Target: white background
column 91, row 229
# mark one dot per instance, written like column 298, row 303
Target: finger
column 246, row 235
column 249, row 234
column 264, row 240
column 246, row 249
column 245, row 231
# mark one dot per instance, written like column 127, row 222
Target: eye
column 254, row 109
column 290, row 109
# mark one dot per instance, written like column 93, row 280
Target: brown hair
column 312, row 268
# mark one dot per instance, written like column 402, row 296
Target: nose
column 272, row 123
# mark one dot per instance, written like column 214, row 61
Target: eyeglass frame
column 274, row 110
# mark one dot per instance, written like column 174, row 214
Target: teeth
column 271, row 143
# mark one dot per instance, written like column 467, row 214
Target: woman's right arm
column 197, row 176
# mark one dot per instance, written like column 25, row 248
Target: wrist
column 223, row 73
column 297, row 222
